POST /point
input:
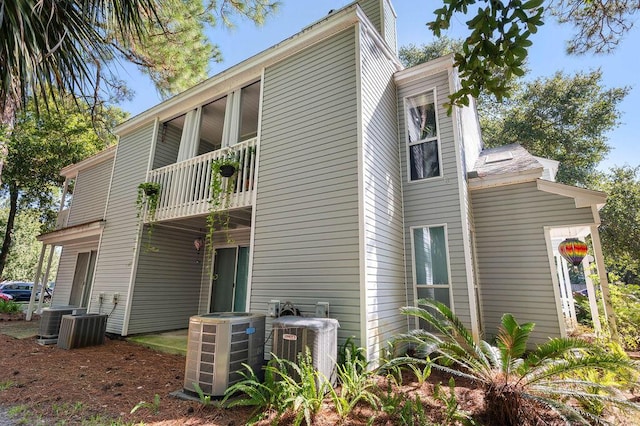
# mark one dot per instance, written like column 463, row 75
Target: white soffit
column 561, row 233
column 583, row 197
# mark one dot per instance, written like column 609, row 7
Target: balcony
column 185, row 187
column 63, row 217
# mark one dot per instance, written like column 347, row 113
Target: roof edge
column 71, row 233
column 72, row 170
column 505, row 179
column 427, row 68
column 583, row 197
column 194, row 96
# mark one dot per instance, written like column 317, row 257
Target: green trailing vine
column 147, row 201
column 221, row 190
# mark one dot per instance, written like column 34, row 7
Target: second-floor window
column 224, row 122
column 423, row 137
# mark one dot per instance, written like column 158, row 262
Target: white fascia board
column 444, row 63
column 72, row 233
column 583, row 197
column 372, row 32
column 71, row 171
column 505, row 179
column 243, row 72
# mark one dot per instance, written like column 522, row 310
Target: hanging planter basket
column 150, row 191
column 227, row 170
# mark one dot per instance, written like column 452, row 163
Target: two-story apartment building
column 355, row 188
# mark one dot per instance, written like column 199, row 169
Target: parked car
column 6, row 297
column 21, row 291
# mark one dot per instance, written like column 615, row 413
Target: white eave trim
column 372, row 32
column 244, row 71
column 583, row 197
column 72, row 233
column 505, row 179
column 72, row 170
column 444, row 63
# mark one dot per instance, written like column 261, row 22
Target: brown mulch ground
column 100, row 385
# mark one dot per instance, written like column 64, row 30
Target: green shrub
column 288, row 387
column 625, row 299
column 517, row 384
column 9, row 307
column 267, row 396
column 583, row 310
column 356, row 382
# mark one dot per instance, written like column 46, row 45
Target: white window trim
column 230, row 126
column 437, row 138
column 413, row 264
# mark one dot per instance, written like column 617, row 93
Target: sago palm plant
column 517, row 383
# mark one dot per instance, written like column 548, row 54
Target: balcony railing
column 185, row 187
column 63, row 218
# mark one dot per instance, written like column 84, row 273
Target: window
column 422, row 126
column 431, row 264
column 221, row 123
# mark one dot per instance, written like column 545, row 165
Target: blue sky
column 545, row 58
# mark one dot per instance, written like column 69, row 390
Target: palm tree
column 561, row 375
column 59, row 44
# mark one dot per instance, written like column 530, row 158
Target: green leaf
column 532, row 4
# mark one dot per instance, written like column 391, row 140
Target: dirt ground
column 100, row 385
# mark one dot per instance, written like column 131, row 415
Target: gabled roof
column 510, row 164
column 251, row 68
column 504, row 165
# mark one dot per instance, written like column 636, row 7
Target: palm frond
column 512, row 341
column 58, row 43
column 602, row 361
column 570, row 414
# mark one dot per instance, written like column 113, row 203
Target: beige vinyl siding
column 373, row 10
column 306, row 220
column 117, row 250
column 436, row 201
column 389, row 27
column 90, row 193
column 167, row 283
column 513, row 263
column 384, row 262
column 66, row 270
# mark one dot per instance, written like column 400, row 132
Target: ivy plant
column 147, row 202
column 221, row 190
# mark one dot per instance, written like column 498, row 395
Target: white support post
column 604, row 284
column 591, row 293
column 45, row 279
column 563, row 288
column 35, row 283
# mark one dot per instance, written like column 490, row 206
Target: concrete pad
column 20, row 329
column 173, row 342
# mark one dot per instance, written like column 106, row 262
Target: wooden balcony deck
column 185, row 187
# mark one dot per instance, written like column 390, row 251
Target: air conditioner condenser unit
column 219, row 343
column 292, row 334
column 50, row 320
